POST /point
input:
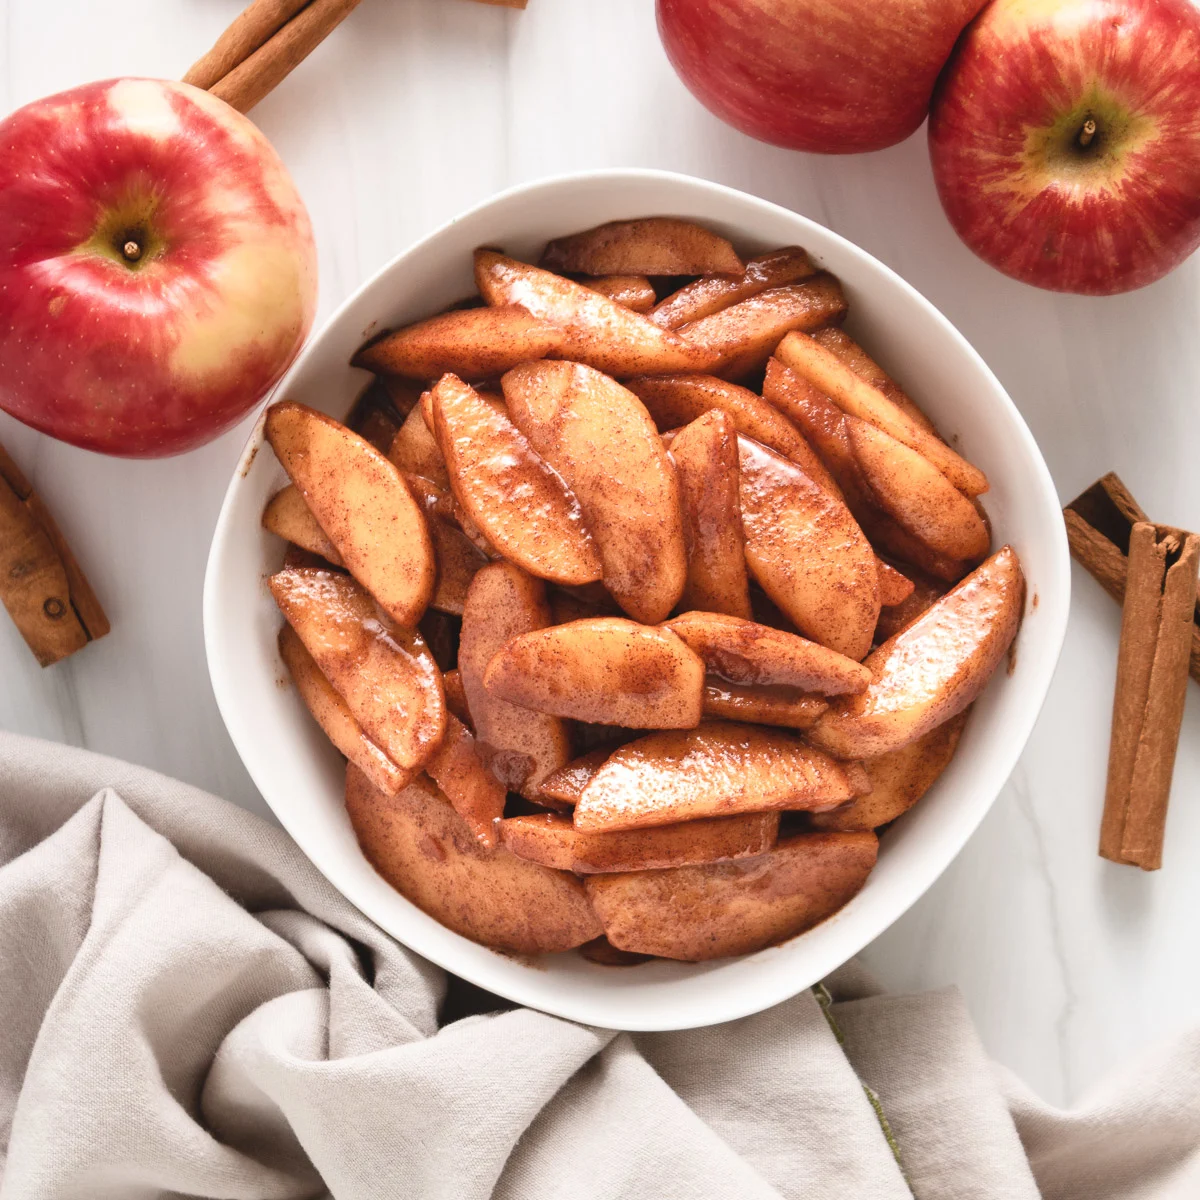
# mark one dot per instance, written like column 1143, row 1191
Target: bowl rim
column 522, row 987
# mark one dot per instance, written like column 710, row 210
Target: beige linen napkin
column 187, row 1008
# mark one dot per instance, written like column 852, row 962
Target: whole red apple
column 1065, row 139
column 157, row 267
column 836, row 76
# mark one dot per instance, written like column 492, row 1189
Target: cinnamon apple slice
column 721, row 909
column 415, row 450
column 715, row 770
column 476, row 794
column 915, row 494
column 472, row 343
column 362, row 503
column 630, row 291
column 925, row 594
column 933, row 669
column 898, row 780
column 385, row 673
column 603, row 670
column 742, row 336
column 677, row 400
column 334, row 716
column 851, row 393
column 646, row 246
column 807, row 552
column 599, row 437
column 894, row 586
column 520, row 747
column 708, row 295
column 552, row 840
column 458, row 560
column 566, row 785
column 761, row 704
column 519, row 501
column 594, row 329
column 427, row 852
column 287, row 516
column 706, row 465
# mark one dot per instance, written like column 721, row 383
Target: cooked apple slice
column 426, row 851
column 911, row 490
column 742, row 336
column 567, row 783
column 826, row 372
column 521, row 504
column 898, row 780
column 458, row 561
column 477, row 795
column 595, row 330
column 807, row 552
column 839, row 342
column 287, row 516
column 553, row 841
column 334, row 717
column 647, row 246
column 631, row 291
column 676, row 400
column 759, row 704
column 713, row 771
column 415, row 451
column 601, row 440
column 472, row 343
column 604, row 670
column 706, row 465
column 439, row 505
column 520, row 747
column 456, row 697
column 703, row 297
column 721, row 909
column 385, row 673
column 932, row 670
column 927, row 590
column 748, row 653
column 894, row 586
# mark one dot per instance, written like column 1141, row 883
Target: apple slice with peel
column 715, row 770
column 385, row 673
column 520, row 747
column 677, row 400
column 930, row 671
column 594, row 329
column 703, row 297
column 745, row 652
column 287, row 516
column 839, row 342
column 760, row 704
column 721, row 909
column 630, row 291
column 915, row 494
column 472, row 343
column 519, row 501
column 427, row 852
column 706, row 465
column 476, row 794
column 601, row 440
column 807, row 552
column 898, row 780
column 456, row 698
column 362, row 503
column 742, row 336
column 567, row 783
column 894, row 586
column 552, row 840
column 604, row 670
column 646, row 246
column 415, row 450
column 852, row 394
column 334, row 717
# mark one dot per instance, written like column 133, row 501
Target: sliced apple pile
column 603, row 580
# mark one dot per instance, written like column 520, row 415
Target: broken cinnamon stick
column 41, row 584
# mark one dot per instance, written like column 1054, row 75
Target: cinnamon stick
column 254, row 27
column 41, row 584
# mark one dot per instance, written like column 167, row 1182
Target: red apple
column 836, row 76
column 1066, row 140
column 157, row 267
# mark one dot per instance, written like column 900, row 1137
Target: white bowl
column 301, row 775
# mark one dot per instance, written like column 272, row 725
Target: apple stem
column 1087, row 132
column 132, row 250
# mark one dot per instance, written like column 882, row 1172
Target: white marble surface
column 416, row 109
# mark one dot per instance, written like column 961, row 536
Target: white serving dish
column 301, row 775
